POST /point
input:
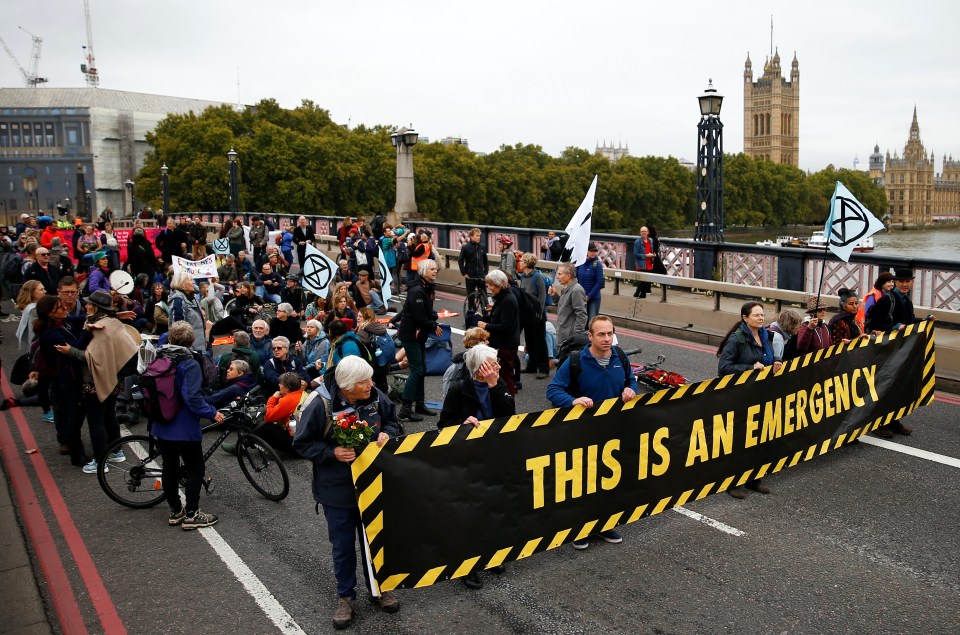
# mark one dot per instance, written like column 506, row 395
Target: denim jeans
column 593, row 308
column 344, row 530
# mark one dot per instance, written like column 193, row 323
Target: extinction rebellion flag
column 438, row 505
column 849, row 222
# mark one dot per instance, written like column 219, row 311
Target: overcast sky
column 554, row 73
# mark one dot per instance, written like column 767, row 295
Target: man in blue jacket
column 590, row 277
column 348, row 390
column 603, row 374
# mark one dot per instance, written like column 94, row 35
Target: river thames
column 942, row 243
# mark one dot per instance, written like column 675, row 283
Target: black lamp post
column 133, row 197
column 234, row 184
column 88, row 200
column 165, row 183
column 709, row 228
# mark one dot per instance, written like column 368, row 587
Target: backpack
column 209, row 372
column 574, row 357
column 13, row 267
column 366, row 354
column 384, row 350
column 529, row 306
column 161, row 400
column 403, row 254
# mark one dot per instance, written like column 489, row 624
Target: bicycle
column 136, row 481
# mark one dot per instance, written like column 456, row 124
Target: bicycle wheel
column 134, row 482
column 262, row 467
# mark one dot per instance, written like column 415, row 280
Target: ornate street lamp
column 234, row 184
column 165, row 183
column 88, row 200
column 406, row 203
column 709, row 228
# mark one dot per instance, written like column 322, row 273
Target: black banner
column 440, row 504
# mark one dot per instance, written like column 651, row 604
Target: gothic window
column 768, row 123
column 761, row 124
column 754, row 125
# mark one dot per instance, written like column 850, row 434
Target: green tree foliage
column 299, row 161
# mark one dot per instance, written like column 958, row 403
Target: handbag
column 21, row 369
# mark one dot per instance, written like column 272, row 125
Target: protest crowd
column 235, row 309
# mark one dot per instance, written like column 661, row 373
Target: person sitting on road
column 286, row 324
column 282, row 362
column 747, row 347
column 281, row 406
column 351, row 391
column 481, row 396
column 343, row 310
column 458, row 369
column 238, row 381
column 260, row 342
column 315, row 348
column 604, row 373
column 271, row 283
column 241, row 351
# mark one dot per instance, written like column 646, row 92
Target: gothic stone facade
column 771, row 112
column 917, row 196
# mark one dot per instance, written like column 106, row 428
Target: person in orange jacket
column 281, row 407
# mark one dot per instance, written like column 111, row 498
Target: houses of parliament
column 917, row 195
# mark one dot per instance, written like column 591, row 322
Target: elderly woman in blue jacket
column 181, row 437
column 747, row 347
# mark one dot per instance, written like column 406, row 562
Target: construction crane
column 31, row 77
column 89, row 66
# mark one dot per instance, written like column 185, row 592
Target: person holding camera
column 814, row 333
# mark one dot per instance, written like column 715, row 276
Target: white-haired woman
column 185, row 307
column 418, row 321
column 504, row 326
column 480, row 397
column 285, row 325
column 315, row 348
column 351, row 393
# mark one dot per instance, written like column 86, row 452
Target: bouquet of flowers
column 349, row 431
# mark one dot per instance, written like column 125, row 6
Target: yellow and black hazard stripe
column 369, row 482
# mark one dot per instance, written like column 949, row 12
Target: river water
column 940, row 243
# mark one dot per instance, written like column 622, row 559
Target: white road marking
column 260, row 593
column 906, row 449
column 710, row 522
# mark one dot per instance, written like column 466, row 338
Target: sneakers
column 198, row 520
column 176, row 518
column 48, row 417
column 387, row 602
column 91, row 467
column 611, row 536
column 116, row 457
column 343, row 616
column 581, row 544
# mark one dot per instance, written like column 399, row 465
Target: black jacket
column 504, row 324
column 462, row 402
column 419, row 319
column 48, row 277
column 140, row 257
column 473, row 260
column 169, row 243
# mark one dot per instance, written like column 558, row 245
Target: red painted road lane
column 65, row 602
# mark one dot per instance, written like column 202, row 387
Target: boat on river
column 817, row 241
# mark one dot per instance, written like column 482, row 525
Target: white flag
column 849, row 222
column 578, row 229
column 221, row 246
column 386, row 279
column 317, row 271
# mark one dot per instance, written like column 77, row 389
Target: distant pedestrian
column 645, row 255
column 503, row 326
column 571, row 303
column 303, row 235
column 508, row 259
column 590, row 277
column 473, row 266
